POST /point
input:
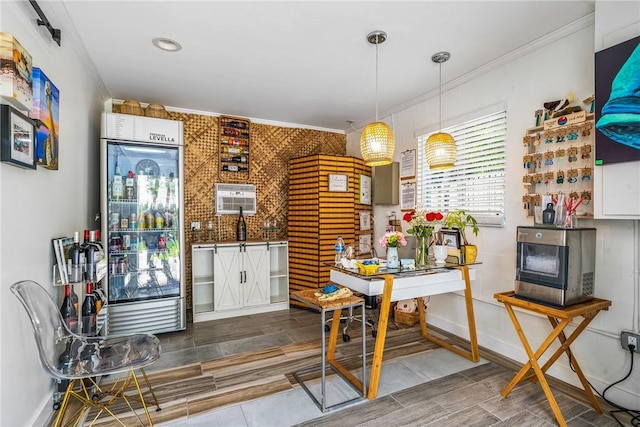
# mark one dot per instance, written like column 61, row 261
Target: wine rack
column 235, row 159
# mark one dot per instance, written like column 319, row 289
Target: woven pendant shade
column 377, row 144
column 440, row 151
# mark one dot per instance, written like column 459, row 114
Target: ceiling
column 301, row 62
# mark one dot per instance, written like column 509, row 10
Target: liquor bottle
column 74, row 257
column 89, row 312
column 116, row 186
column 241, row 228
column 69, row 311
column 129, row 190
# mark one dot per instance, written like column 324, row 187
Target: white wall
column 563, row 62
column 38, row 205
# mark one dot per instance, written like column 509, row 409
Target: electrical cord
column 634, row 413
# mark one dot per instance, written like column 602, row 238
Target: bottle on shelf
column 241, row 228
column 117, row 189
column 234, row 168
column 232, row 150
column 92, row 255
column 89, row 312
column 69, row 311
column 129, row 188
column 339, row 250
column 74, row 256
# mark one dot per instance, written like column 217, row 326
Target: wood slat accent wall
column 271, row 149
column 317, row 216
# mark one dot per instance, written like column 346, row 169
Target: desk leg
column 533, row 363
column 474, row 354
column 378, row 350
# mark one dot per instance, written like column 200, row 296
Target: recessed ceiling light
column 166, row 44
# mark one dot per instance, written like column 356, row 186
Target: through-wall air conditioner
column 230, row 197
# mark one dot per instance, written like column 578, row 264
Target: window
column 477, row 181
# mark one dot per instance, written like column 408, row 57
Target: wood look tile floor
column 238, row 372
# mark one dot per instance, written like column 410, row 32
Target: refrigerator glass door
column 143, row 240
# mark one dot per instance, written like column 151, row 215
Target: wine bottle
column 234, row 168
column 241, row 228
column 69, row 311
column 92, row 254
column 89, row 312
column 240, row 159
column 116, row 186
column 129, row 190
column 74, row 257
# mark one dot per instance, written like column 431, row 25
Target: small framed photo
column 451, row 238
column 17, row 138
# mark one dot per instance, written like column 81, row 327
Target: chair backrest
column 49, row 329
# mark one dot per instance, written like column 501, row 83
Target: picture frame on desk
column 17, row 138
column 451, row 238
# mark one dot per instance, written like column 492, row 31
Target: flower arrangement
column 423, row 223
column 392, row 239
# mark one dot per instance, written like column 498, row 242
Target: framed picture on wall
column 17, row 138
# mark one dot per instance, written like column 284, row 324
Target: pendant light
column 377, row 142
column 440, row 149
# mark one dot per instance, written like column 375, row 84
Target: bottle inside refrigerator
column 142, row 187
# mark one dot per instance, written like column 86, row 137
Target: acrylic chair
column 82, row 360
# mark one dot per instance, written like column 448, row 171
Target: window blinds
column 477, row 181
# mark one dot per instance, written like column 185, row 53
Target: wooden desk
column 559, row 319
column 309, row 298
column 394, row 287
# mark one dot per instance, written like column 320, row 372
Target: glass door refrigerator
column 142, row 185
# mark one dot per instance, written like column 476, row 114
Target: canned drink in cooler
column 133, row 221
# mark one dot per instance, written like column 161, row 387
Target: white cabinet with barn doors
column 234, row 279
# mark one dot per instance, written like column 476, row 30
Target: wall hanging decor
column 17, row 138
column 15, row 78
column 45, row 114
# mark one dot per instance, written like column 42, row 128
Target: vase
column 440, row 253
column 422, row 251
column 392, row 258
column 470, row 253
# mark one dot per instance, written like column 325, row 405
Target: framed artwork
column 365, row 190
column 408, row 196
column 408, row 164
column 451, row 238
column 17, row 138
column 338, row 182
column 45, row 114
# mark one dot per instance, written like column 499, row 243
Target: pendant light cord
column 440, row 97
column 377, row 43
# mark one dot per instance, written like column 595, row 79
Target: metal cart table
column 309, row 298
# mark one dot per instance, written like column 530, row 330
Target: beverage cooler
column 142, row 200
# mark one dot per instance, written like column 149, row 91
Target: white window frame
column 477, row 182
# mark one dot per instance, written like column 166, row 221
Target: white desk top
column 407, row 285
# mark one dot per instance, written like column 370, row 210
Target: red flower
column 409, row 216
column 434, row 216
